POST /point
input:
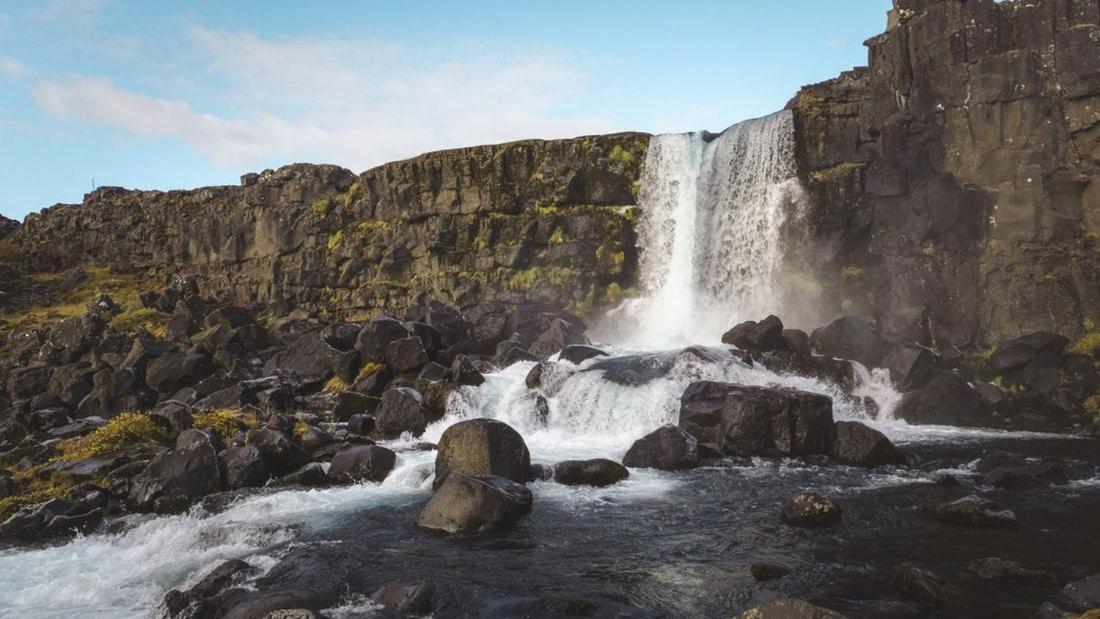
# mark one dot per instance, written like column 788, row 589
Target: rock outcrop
column 956, row 179
column 530, row 220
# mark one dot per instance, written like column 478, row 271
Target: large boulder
column 362, row 463
column 757, row 421
column 667, row 448
column 173, row 371
column 1018, row 353
column 283, row 456
column 406, row 354
column 599, row 472
column 474, row 505
column 405, row 598
column 856, row 443
column 945, row 399
column 374, row 337
column 481, row 448
column 402, row 410
column 309, row 358
column 175, row 479
column 928, row 588
column 245, row 466
column 757, row 336
column 851, row 337
column 559, row 334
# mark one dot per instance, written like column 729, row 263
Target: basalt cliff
column 955, row 187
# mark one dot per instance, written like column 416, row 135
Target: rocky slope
column 957, row 177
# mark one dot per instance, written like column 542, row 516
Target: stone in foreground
column 482, row 447
column 466, row 505
column 810, row 509
column 668, row 448
column 739, row 420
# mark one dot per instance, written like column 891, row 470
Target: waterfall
column 716, row 232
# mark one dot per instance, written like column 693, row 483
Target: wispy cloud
column 350, row 102
column 67, row 9
column 11, row 67
column 835, row 43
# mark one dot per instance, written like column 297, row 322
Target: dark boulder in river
column 741, row 420
column 362, row 463
column 856, row 443
column 976, row 511
column 482, row 447
column 756, row 336
column 667, row 448
column 466, row 505
column 945, row 399
column 851, row 337
column 599, row 472
column 176, row 479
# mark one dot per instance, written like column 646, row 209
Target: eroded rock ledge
column 530, row 220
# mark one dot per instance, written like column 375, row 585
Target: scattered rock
column 756, row 336
column 928, row 588
column 474, row 505
column 667, row 448
column 402, row 410
column 768, row 571
column 976, row 511
column 245, row 466
column 856, row 443
column 599, row 472
column 1011, row 573
column 174, row 480
column 810, row 509
column 362, row 462
column 404, row 598
column 579, row 353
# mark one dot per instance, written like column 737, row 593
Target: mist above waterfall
column 720, row 236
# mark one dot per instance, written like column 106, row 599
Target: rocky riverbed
column 496, row 462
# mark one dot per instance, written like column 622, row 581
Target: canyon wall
column 525, row 221
column 957, row 177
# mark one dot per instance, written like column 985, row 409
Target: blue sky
column 179, row 94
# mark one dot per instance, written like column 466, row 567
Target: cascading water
column 716, row 215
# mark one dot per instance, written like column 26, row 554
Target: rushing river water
column 675, row 543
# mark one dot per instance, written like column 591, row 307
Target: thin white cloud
column 835, row 43
column 348, row 102
column 67, row 9
column 12, row 67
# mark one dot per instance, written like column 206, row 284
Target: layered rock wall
column 957, row 177
column 532, row 220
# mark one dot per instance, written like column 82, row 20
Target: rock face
column 955, row 179
column 530, row 220
column 473, row 505
column 757, row 421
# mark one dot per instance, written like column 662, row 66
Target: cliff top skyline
column 187, row 95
